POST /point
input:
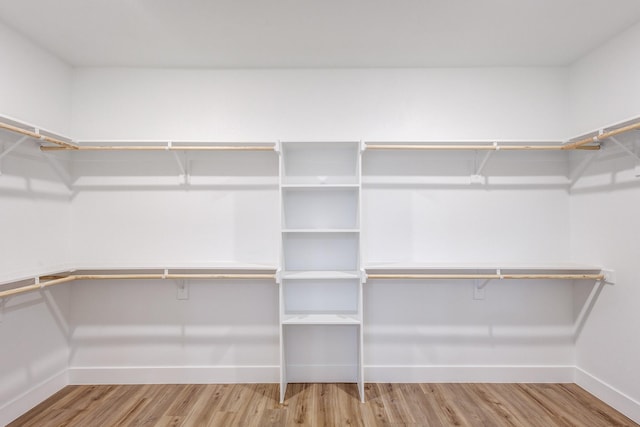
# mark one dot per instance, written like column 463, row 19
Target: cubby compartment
column 328, row 163
column 320, row 251
column 327, row 296
column 320, row 208
column 322, row 353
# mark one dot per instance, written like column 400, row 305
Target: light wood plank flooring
column 257, row 405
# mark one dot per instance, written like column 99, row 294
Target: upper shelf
column 479, row 266
column 315, row 183
column 209, row 272
column 569, row 271
column 322, row 274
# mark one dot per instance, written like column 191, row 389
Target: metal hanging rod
column 488, row 276
column 44, row 284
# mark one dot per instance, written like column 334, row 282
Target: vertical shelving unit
column 321, row 275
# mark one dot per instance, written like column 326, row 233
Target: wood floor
column 324, row 405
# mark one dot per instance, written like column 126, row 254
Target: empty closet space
column 329, row 214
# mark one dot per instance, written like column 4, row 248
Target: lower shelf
column 320, row 319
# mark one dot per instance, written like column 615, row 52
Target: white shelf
column 321, row 230
column 195, row 268
column 176, row 268
column 320, row 319
column 310, row 185
column 315, row 275
column 408, row 267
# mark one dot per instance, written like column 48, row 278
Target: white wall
column 34, row 213
column 605, row 206
column 139, row 332
column 230, row 212
column 604, row 85
column 387, row 104
column 35, row 86
column 133, row 209
column 421, row 208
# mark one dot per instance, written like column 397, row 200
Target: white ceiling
column 319, row 33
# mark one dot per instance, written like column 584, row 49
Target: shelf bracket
column 58, row 169
column 183, row 167
column 10, row 149
column 579, row 170
column 630, row 152
column 477, row 177
column 183, row 289
column 479, row 288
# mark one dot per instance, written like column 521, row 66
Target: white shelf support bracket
column 581, row 168
column 479, row 288
column 277, row 147
column 10, row 149
column 637, row 151
column 609, row 276
column 187, row 169
column 278, row 276
column 363, row 147
column 477, row 177
column 183, row 289
column 182, row 166
column 59, row 170
column 630, row 152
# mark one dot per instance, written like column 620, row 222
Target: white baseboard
column 608, row 394
column 468, row 374
column 32, row 397
column 174, row 375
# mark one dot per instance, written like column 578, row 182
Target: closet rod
column 61, row 145
column 164, row 148
column 479, row 147
column 488, row 276
column 73, row 277
column 604, row 135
